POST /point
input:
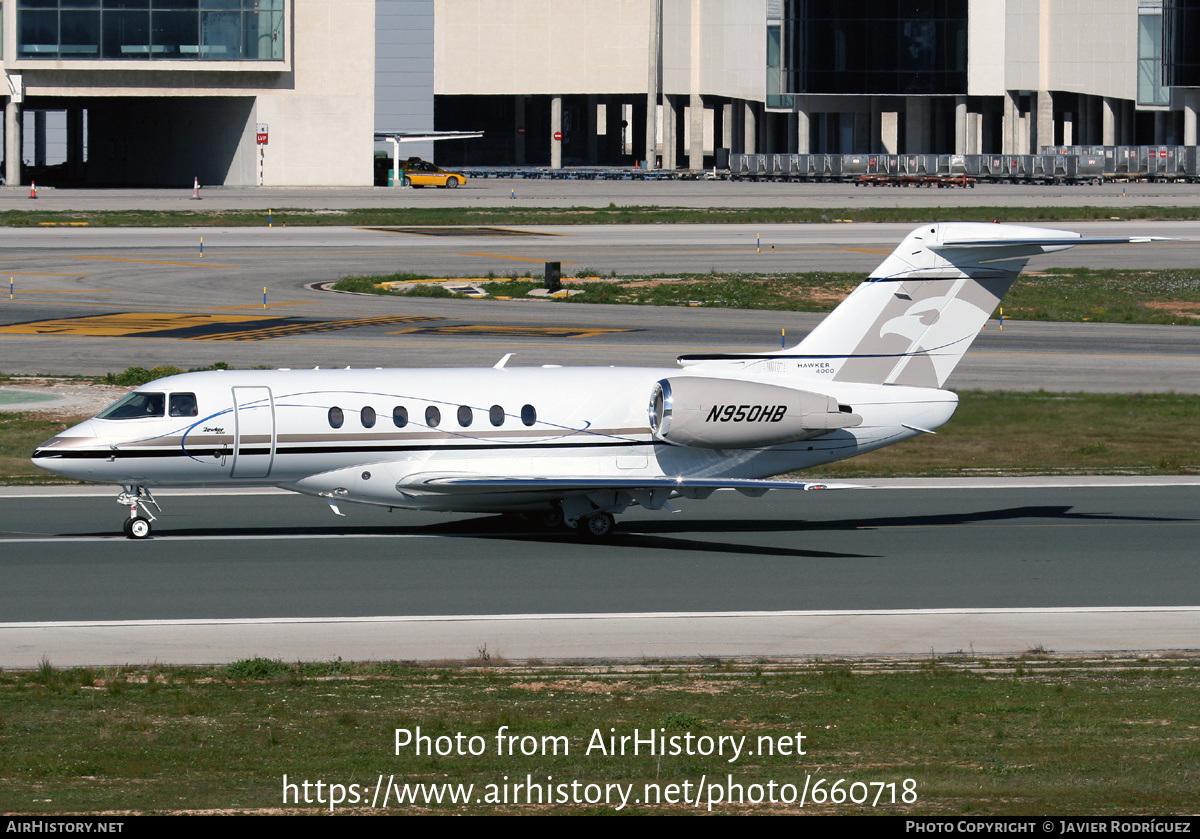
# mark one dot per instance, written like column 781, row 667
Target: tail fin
column 913, row 319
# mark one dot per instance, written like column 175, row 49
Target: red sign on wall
column 261, row 132
column 557, row 135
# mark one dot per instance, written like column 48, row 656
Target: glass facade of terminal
column 879, row 47
column 1181, row 39
column 201, row 30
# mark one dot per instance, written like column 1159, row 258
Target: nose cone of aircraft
column 50, row 455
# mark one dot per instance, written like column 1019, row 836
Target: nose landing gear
column 139, row 500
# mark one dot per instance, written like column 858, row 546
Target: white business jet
column 577, row 445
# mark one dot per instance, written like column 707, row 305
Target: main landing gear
column 589, row 527
column 595, row 526
column 139, row 501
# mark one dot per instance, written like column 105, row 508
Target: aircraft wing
column 426, row 482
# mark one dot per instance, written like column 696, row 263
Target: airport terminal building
column 293, row 92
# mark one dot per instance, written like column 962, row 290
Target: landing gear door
column 253, row 432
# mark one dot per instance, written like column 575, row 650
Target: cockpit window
column 136, row 405
column 183, row 405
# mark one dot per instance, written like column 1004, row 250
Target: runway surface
column 1113, row 553
column 95, row 301
column 908, row 572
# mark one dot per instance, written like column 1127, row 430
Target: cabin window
column 367, row 415
column 336, row 417
column 496, row 415
column 136, row 405
column 465, row 416
column 528, row 414
column 183, row 405
column 399, row 416
column 433, row 416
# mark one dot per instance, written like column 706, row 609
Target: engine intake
column 733, row 414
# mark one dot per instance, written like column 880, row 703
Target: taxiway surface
column 94, row 301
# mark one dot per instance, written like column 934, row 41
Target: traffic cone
column 196, row 189
column 32, row 189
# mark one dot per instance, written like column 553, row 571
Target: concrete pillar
column 803, row 126
column 1068, row 129
column 670, row 127
column 13, row 131
column 1044, row 132
column 1109, row 109
column 727, row 126
column 695, row 131
column 555, row 129
column 519, row 119
column 1191, row 104
column 39, row 138
column 737, row 126
column 889, row 132
column 961, row 142
column 750, row 126
column 1009, row 126
column 654, row 82
column 75, row 143
column 974, row 133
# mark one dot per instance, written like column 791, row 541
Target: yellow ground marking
column 260, row 305
column 518, row 258
column 286, row 329
column 127, row 323
column 514, row 331
column 155, row 262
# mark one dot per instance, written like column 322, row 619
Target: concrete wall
column 1080, row 46
column 318, row 104
column 720, row 45
column 322, row 127
column 482, row 47
column 986, row 47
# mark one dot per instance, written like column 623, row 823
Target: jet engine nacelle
column 733, row 414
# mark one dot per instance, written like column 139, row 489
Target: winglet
column 499, row 365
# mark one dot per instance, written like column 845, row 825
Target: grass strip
column 1032, row 734
column 1072, row 295
column 992, row 433
column 612, row 214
